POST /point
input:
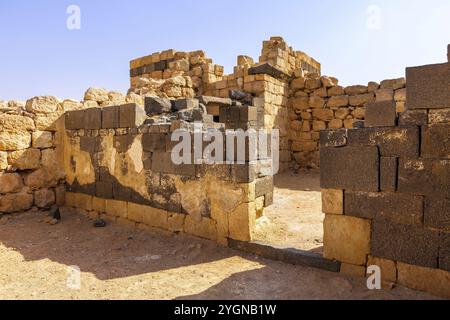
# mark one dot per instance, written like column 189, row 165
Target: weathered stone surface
column 439, row 116
column 392, row 141
column 155, row 105
column 207, row 100
column 424, row 177
column 206, row 228
column 336, row 91
column 93, row 119
column 25, row 159
column 388, row 268
column 355, row 90
column 405, row 243
column 384, row 95
column 301, row 103
column 338, row 101
column 14, row 123
column 361, row 99
column 323, row 114
column 42, row 139
column 74, row 120
column 154, row 142
column 15, row 202
column 444, row 251
column 110, row 117
column 346, row 239
column 264, row 186
column 10, row 182
column 298, row 83
column 351, row 168
column 436, row 141
column 434, row 281
column 3, row 160
column 11, row 141
column 437, row 213
column 44, row 105
column 393, row 84
column 41, row 178
column 413, row 118
column 242, row 222
column 393, row 207
column 316, row 102
column 388, row 173
column 267, row 68
column 44, row 198
column 47, row 122
column 380, row 114
column 333, row 138
column 182, row 104
column 333, row 201
column 131, row 116
column 116, row 208
column 353, row 271
column 427, row 86
column 99, row 95
column 400, row 95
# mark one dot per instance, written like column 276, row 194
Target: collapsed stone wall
column 386, row 187
column 319, row 103
column 118, row 164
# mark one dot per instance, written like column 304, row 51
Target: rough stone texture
column 413, row 118
column 424, row 177
column 392, row 142
column 388, row 173
column 44, row 198
column 444, row 251
column 352, row 168
column 437, row 213
column 353, row 271
column 333, row 201
column 393, row 207
column 405, row 243
column 42, row 139
column 15, row 202
column 131, row 115
column 346, row 239
column 438, row 116
column 12, row 141
column 427, row 86
column 10, row 182
column 426, row 279
column 25, row 159
column 380, row 114
column 388, row 268
column 436, row 141
column 43, row 105
column 155, row 105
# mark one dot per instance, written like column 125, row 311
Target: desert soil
column 295, row 220
column 117, row 262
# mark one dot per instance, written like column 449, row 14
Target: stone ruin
column 382, row 148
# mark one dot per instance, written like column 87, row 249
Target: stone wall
column 319, row 103
column 118, row 166
column 386, row 187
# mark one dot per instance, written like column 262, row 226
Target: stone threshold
column 287, row 255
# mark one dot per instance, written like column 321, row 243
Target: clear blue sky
column 39, row 55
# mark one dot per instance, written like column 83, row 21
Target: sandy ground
column 295, row 220
column 121, row 263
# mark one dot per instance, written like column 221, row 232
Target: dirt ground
column 121, row 263
column 295, row 220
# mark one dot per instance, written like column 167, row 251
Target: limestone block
column 333, row 201
column 328, row 82
column 3, row 160
column 323, row 114
column 393, row 83
column 16, row 202
column 388, row 268
column 316, row 102
column 347, row 239
column 298, row 84
column 99, row 95
column 79, row 201
column 205, row 228
column 25, row 159
column 335, row 124
column 413, row 118
column 149, row 216
column 15, row 123
column 44, row 198
column 12, row 141
column 434, row 281
column 60, row 195
column 400, row 95
column 42, row 139
column 361, row 99
column 41, row 178
column 116, row 208
column 47, row 122
column 384, row 95
column 242, row 222
column 98, row 204
column 336, row 91
column 175, row 222
column 10, row 182
column 313, row 84
column 355, row 90
column 301, row 103
column 338, row 101
column 45, row 105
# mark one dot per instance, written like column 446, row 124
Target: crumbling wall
column 118, row 162
column 386, row 187
column 319, row 103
